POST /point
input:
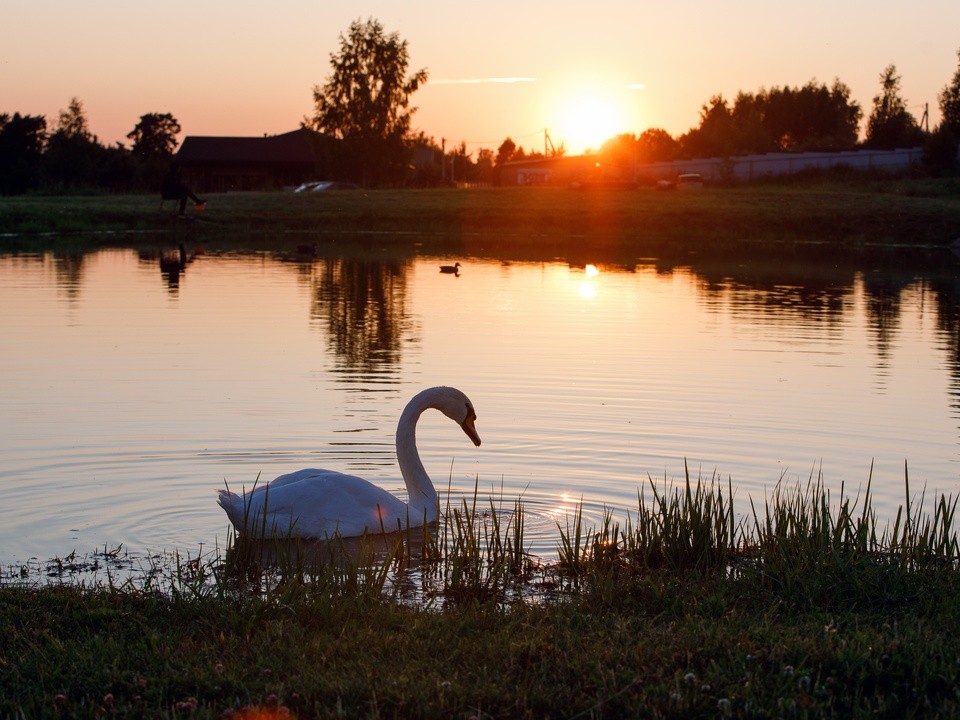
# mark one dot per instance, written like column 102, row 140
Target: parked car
column 324, row 185
column 690, row 180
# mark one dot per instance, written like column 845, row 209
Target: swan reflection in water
column 322, row 504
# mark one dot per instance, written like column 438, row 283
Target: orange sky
column 581, row 71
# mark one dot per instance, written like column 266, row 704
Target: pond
column 134, row 387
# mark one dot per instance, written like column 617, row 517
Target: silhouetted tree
column 890, row 124
column 22, row 142
column 73, row 152
column 366, row 101
column 154, row 142
column 812, row 117
column 155, row 136
column 715, row 135
column 620, row 151
column 483, row 167
column 949, row 99
column 942, row 147
column 749, row 133
column 657, row 145
column 119, row 170
column 73, row 122
column 506, row 151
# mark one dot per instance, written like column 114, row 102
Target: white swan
column 318, row 503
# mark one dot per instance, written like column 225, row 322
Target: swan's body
column 455, row 268
column 319, row 503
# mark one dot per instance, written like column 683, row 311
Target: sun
column 586, row 119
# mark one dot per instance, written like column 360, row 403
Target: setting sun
column 587, row 118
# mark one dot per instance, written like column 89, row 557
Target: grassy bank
column 802, row 607
column 907, row 211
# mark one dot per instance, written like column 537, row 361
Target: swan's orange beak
column 470, row 430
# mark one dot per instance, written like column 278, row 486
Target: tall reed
column 477, row 554
column 800, row 545
column 691, row 530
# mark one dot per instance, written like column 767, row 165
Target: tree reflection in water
column 363, row 304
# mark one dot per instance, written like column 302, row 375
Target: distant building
column 561, row 170
column 223, row 164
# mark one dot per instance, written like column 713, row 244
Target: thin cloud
column 637, row 86
column 484, row 81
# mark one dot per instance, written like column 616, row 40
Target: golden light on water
column 566, row 506
column 588, row 288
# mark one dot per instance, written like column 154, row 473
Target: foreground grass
column 892, row 210
column 668, row 647
column 805, row 607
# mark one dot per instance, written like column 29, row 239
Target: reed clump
column 799, row 548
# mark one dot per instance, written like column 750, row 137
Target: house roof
column 291, row 147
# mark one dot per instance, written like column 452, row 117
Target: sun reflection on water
column 588, row 289
column 566, row 506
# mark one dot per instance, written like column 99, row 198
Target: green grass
column 495, row 220
column 804, row 606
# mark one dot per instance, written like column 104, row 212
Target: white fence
column 751, row 167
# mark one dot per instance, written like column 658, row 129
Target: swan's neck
column 422, row 496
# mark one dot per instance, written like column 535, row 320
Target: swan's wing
column 305, row 474
column 319, row 503
column 294, row 477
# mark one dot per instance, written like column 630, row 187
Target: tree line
column 70, row 157
column 365, row 104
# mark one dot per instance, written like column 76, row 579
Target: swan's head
column 457, row 406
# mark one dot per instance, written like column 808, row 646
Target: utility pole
column 548, row 148
column 443, row 160
column 925, row 120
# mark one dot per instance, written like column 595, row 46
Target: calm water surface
column 130, row 395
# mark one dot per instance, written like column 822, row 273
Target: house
column 558, row 170
column 222, row 164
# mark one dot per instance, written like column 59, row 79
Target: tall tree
column 22, row 142
column 890, row 124
column 942, row 150
column 716, row 134
column 155, row 136
column 506, row 151
column 619, row 151
column 813, row 117
column 950, row 102
column 483, row 168
column 657, row 145
column 73, row 153
column 366, row 101
column 73, row 122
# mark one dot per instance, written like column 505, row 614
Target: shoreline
column 907, row 213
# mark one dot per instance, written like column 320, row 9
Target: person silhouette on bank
column 173, row 188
